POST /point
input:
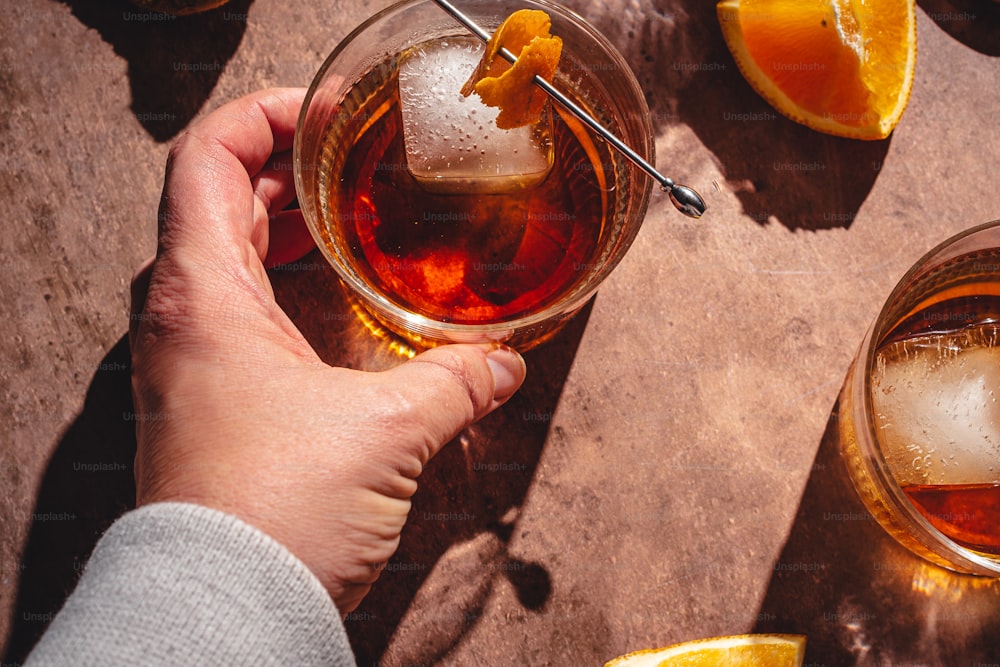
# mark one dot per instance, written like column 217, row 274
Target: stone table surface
column 669, row 471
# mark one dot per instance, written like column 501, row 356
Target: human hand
column 237, row 412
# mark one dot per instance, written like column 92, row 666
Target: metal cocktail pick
column 684, row 198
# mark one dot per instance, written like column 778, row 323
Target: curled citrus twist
column 525, row 33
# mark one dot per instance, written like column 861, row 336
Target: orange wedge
column 525, row 33
column 843, row 67
column 734, row 651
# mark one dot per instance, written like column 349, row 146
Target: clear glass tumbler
column 442, row 227
column 919, row 415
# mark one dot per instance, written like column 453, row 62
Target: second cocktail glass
column 920, row 410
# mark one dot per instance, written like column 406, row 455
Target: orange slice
column 734, row 651
column 526, row 34
column 843, row 67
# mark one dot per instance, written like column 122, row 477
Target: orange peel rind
column 510, row 88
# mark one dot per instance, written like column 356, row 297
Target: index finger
column 208, row 197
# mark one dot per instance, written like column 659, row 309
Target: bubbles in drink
column 935, row 390
column 936, row 401
column 451, row 142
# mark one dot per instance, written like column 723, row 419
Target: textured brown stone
column 667, row 473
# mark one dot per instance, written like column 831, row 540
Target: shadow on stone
column 770, row 163
column 975, row 23
column 88, row 483
column 531, row 582
column 174, row 62
column 860, row 597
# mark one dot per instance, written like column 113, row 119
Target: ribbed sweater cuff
column 180, row 584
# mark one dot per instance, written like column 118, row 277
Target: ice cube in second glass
column 452, row 143
column 938, row 415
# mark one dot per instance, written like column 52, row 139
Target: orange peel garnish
column 525, row 33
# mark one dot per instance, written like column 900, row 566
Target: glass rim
column 955, row 555
column 567, row 304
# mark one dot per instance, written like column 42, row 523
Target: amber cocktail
column 444, row 227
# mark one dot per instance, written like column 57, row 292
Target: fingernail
column 508, row 371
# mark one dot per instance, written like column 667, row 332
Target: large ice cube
column 452, row 142
column 935, row 400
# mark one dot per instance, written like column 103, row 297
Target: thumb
column 447, row 388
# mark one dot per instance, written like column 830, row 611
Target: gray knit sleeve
column 179, row 584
